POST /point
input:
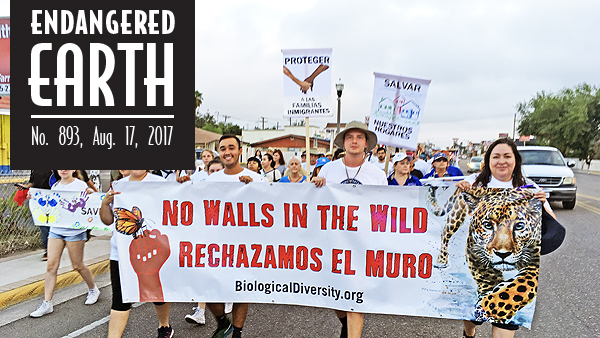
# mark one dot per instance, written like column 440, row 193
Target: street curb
column 35, row 289
column 589, row 172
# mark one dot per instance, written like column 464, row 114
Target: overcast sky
column 483, row 57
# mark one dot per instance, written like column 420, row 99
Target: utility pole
column 277, row 126
column 263, row 122
column 226, row 116
column 514, row 123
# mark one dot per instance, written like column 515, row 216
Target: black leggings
column 117, row 297
column 511, row 327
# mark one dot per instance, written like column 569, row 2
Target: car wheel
column 569, row 204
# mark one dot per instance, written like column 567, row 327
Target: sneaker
column 45, row 256
column 197, row 317
column 92, row 296
column 224, row 332
column 165, row 332
column 44, row 309
column 228, row 307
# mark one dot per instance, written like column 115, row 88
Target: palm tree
column 198, row 100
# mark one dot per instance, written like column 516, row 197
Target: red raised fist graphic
column 147, row 254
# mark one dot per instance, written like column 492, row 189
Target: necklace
column 295, row 180
column 352, row 180
column 400, row 179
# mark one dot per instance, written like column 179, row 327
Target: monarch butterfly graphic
column 129, row 222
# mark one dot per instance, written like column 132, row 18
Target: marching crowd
column 350, row 164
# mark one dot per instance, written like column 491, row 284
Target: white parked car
column 547, row 167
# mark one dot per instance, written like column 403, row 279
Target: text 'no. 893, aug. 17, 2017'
column 74, row 136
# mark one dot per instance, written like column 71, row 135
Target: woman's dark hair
column 315, row 172
column 486, row 173
column 255, row 159
column 338, row 154
column 270, row 159
column 281, row 160
column 257, row 153
column 216, row 160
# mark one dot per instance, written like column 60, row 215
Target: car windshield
column 476, row 159
column 542, row 157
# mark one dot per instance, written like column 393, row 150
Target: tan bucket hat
column 371, row 136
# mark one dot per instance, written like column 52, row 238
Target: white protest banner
column 397, row 109
column 357, row 248
column 307, row 82
column 66, row 209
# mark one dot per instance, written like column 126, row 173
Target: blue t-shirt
column 410, row 181
column 451, row 171
column 286, row 179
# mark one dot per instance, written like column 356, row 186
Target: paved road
column 567, row 305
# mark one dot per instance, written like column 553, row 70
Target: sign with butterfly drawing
column 66, row 209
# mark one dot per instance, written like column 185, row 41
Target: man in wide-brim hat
column 356, row 125
column 353, row 168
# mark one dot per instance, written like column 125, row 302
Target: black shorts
column 511, row 327
column 117, row 297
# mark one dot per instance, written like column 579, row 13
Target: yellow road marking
column 590, row 197
column 588, row 207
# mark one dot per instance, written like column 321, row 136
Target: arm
column 106, row 213
column 91, row 186
column 541, row 196
column 317, row 71
column 304, row 86
column 22, row 186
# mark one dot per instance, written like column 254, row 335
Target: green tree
column 213, row 128
column 230, row 128
column 197, row 117
column 205, row 119
column 198, row 100
column 568, row 120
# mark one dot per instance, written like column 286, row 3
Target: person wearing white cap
column 401, row 174
column 441, row 167
column 356, row 139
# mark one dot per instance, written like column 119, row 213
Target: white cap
column 399, row 157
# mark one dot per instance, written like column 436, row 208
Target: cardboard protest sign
column 307, row 82
column 397, row 109
column 66, row 209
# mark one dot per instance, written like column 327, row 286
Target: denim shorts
column 80, row 237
